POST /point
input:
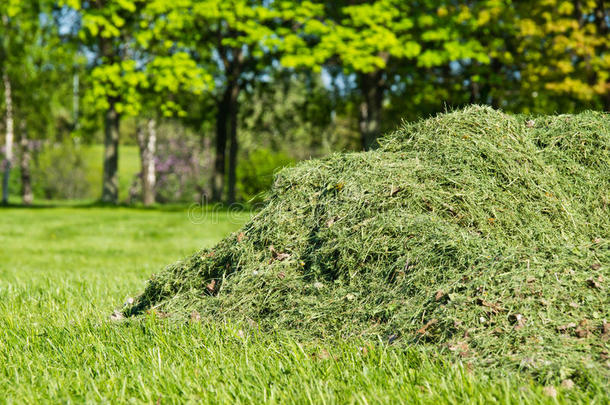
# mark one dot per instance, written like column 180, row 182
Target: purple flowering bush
column 182, row 167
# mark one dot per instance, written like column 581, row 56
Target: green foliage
column 564, row 47
column 135, row 65
column 296, row 116
column 256, row 172
column 367, row 36
column 60, row 172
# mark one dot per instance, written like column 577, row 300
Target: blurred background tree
column 213, row 97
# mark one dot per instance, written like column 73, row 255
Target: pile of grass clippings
column 480, row 233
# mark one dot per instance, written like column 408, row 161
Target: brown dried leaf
column 564, row 328
column 252, row 324
column 195, row 317
column 424, row 329
column 282, row 256
column 277, row 255
column 116, row 316
column 211, row 286
column 605, row 330
column 157, row 313
column 494, row 307
column 394, row 191
column 281, row 276
column 583, row 329
column 596, row 266
column 518, row 320
column 323, row 354
column 594, row 283
column 550, row 391
column 461, row 348
column 439, row 295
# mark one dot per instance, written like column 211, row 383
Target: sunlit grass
column 63, row 270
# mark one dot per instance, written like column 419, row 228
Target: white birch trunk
column 10, row 134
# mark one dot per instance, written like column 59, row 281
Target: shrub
column 59, row 171
column 182, row 170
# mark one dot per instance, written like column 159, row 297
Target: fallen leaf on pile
column 116, row 316
column 323, row 354
column 424, row 329
column 605, row 330
column 461, row 348
column 211, row 286
column 564, row 328
column 583, row 329
column 282, row 256
column 277, row 255
column 494, row 307
column 518, row 320
column 550, row 391
column 195, row 317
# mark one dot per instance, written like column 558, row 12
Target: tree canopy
column 203, row 64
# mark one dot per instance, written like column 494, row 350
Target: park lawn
column 64, row 269
column 129, row 167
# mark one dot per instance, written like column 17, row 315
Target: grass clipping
column 478, row 232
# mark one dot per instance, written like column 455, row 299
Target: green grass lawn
column 63, row 270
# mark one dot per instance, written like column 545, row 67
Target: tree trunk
column 233, row 146
column 147, row 141
column 601, row 20
column 218, row 175
column 372, row 86
column 110, row 182
column 8, row 149
column 27, row 196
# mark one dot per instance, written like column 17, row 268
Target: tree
column 8, row 54
column 233, row 41
column 30, row 57
column 166, row 77
column 564, row 50
column 379, row 44
column 135, row 71
column 106, row 31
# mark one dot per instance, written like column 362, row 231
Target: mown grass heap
column 475, row 231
